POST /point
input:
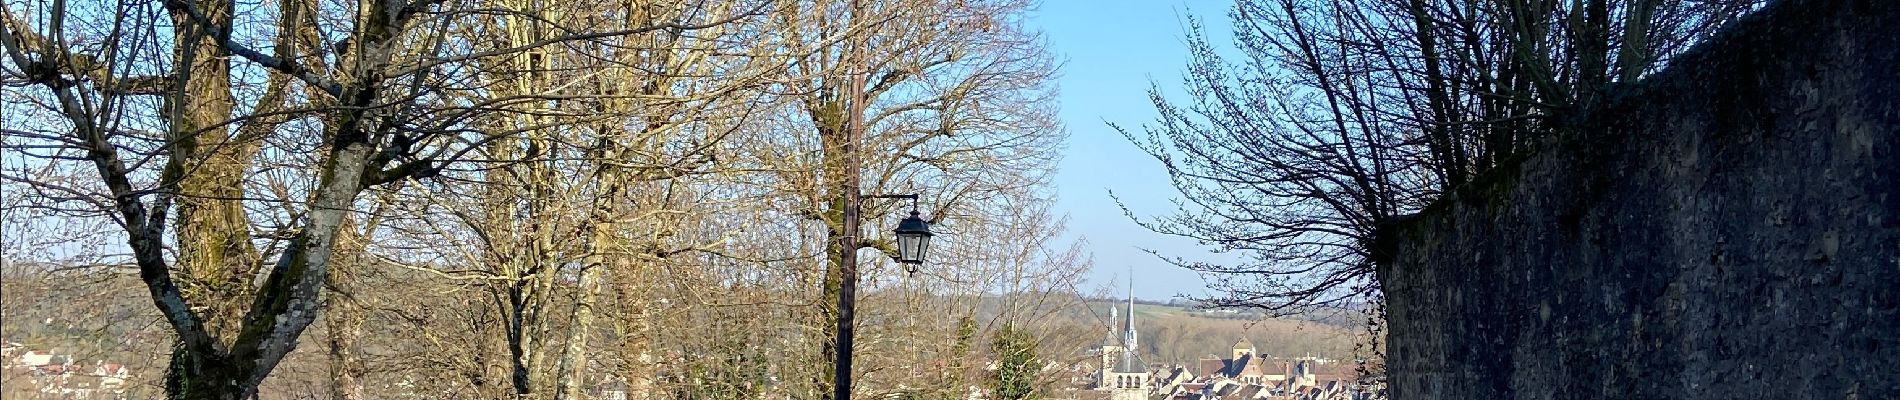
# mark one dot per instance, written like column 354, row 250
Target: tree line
column 523, row 199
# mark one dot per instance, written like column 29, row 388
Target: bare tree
column 1330, row 118
column 506, row 199
column 926, row 93
column 366, row 92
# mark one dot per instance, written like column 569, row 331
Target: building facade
column 1123, row 375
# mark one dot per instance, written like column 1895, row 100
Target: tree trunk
column 214, row 252
column 574, row 365
column 831, row 282
column 191, row 376
column 344, row 317
column 215, row 255
column 345, row 326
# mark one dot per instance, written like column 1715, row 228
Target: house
column 112, row 377
column 8, row 349
column 1177, row 376
column 1248, row 375
column 56, row 374
column 1245, row 366
column 614, row 389
column 35, row 359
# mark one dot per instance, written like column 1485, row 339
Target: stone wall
column 1729, row 230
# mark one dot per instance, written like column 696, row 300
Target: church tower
column 1123, row 373
column 1129, row 339
column 1242, row 348
column 1111, row 350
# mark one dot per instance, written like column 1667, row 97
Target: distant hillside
column 1171, row 334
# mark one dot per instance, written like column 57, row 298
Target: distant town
column 52, row 372
column 1119, row 373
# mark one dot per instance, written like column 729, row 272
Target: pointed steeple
column 1130, row 361
column 1128, row 328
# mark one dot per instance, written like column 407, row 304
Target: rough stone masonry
column 1730, row 229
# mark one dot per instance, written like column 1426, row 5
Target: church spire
column 1128, row 328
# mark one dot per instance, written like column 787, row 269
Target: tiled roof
column 1208, row 367
column 1130, row 363
column 1249, row 391
column 1242, row 366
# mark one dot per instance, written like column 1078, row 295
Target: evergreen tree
column 1016, row 364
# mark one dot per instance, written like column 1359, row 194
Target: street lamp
column 913, row 240
column 913, row 233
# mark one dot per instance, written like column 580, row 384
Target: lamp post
column 913, row 240
column 913, row 233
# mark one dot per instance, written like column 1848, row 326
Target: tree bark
column 1634, row 56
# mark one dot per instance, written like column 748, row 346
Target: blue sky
column 1113, row 51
